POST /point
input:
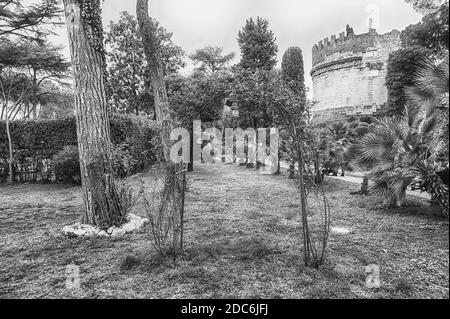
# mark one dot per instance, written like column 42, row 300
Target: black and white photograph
column 224, row 155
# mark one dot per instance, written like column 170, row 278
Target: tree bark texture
column 304, row 212
column 164, row 119
column 151, row 50
column 365, row 186
column 102, row 204
column 11, row 154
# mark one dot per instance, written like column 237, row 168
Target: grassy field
column 242, row 241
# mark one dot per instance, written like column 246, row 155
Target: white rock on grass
column 128, row 227
column 340, row 230
column 117, row 232
column 102, row 233
column 81, row 230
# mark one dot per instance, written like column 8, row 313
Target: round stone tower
column 349, row 73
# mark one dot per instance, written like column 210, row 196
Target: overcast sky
column 197, row 23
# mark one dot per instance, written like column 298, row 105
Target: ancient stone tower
column 349, row 73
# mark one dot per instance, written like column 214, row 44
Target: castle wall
column 350, row 72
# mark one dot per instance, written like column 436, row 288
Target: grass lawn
column 242, row 240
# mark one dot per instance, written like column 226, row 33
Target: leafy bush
column 402, row 68
column 123, row 162
column 140, row 135
column 66, row 165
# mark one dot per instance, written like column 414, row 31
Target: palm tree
column 400, row 149
column 432, row 87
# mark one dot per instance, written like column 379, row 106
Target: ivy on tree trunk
column 102, row 204
column 150, row 42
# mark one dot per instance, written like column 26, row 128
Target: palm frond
column 399, row 185
column 374, row 149
column 428, row 126
column 433, row 77
column 399, row 149
column 381, row 189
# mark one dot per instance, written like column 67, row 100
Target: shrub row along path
column 242, row 240
column 357, row 178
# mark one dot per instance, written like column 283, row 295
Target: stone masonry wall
column 349, row 72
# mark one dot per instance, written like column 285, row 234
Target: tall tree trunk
column 365, row 185
column 190, row 166
column 318, row 178
column 162, row 112
column 304, row 212
column 102, row 204
column 150, row 43
column 11, row 155
column 291, row 169
column 278, row 164
column 401, row 198
column 34, row 96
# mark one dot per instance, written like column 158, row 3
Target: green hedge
column 37, row 141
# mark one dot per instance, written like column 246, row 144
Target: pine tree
column 174, row 187
column 43, row 61
column 152, row 51
column 211, row 58
column 84, row 26
column 258, row 45
column 31, row 22
column 127, row 66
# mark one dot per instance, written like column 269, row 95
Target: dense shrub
column 361, row 129
column 402, row 68
column 123, row 162
column 139, row 136
column 37, row 141
column 66, row 165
